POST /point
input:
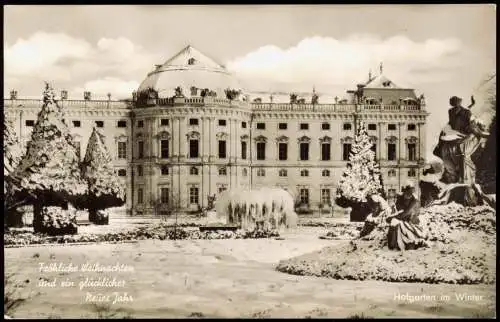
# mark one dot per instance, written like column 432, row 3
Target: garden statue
column 463, row 136
column 404, row 232
column 211, row 202
column 178, row 92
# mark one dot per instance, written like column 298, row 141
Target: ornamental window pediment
column 411, row 139
column 391, row 139
column 244, row 137
column 163, row 135
column 193, row 135
column 261, row 138
column 373, row 139
column 347, row 139
column 222, row 136
column 121, row 138
column 139, row 136
column 325, row 139
column 282, row 139
column 304, row 139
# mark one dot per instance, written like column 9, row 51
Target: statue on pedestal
column 463, row 136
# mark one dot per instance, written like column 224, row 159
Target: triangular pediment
column 190, row 56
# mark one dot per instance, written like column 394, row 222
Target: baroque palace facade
column 184, row 137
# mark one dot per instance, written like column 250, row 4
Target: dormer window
column 386, row 83
column 191, row 61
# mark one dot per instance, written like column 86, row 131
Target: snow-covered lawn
column 221, row 278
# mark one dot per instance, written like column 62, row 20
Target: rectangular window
column 164, row 149
column 412, row 173
column 325, row 151
column 164, row 170
column 122, row 173
column 282, row 126
column 140, row 148
column 304, row 196
column 283, row 151
column 193, row 195
column 121, row 124
column 261, row 126
column 304, row 126
column 261, row 150
column 77, row 123
column 391, row 151
column 346, row 151
column 122, row 150
column 140, row 196
column 304, row 151
column 140, row 171
column 411, row 127
column 222, row 149
column 99, row 123
column 243, row 125
column 391, row 127
column 164, row 194
column 325, row 126
column 164, row 122
column 222, row 122
column 243, row 150
column 193, row 148
column 78, row 149
column 140, row 123
column 372, row 127
column 325, row 196
column 193, row 121
column 412, row 152
column 347, row 126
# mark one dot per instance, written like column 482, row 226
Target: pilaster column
column 400, row 139
column 233, row 141
column 212, row 139
column 421, row 140
column 379, row 141
column 176, row 138
column 205, row 137
column 183, row 139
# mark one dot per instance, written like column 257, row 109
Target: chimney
column 87, row 96
column 109, row 96
column 13, row 94
column 64, row 95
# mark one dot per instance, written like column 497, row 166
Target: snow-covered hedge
column 158, row 232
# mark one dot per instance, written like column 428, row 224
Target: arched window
column 261, row 172
column 304, row 173
column 222, row 171
column 193, row 171
column 283, row 173
column 325, row 173
column 191, row 61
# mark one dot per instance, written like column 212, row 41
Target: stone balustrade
column 212, row 101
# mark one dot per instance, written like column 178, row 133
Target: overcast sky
column 441, row 50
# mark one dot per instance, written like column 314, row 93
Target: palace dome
column 187, row 69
